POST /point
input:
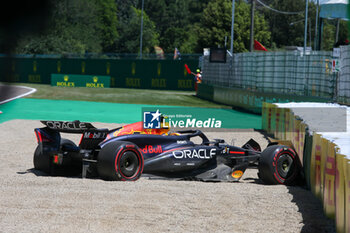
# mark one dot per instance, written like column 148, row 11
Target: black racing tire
column 120, row 160
column 42, row 161
column 66, row 145
column 72, row 164
column 279, row 165
column 66, row 142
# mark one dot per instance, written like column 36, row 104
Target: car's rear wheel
column 120, row 161
column 72, row 161
column 42, row 161
column 279, row 165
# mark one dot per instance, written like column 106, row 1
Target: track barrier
column 248, row 99
column 312, row 74
column 326, row 171
column 144, row 74
column 71, row 80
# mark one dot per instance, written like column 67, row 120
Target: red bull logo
column 149, row 149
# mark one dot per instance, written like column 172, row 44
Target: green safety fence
column 289, row 72
column 71, row 80
column 146, row 74
column 343, row 87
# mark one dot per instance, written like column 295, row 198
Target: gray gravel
column 31, row 202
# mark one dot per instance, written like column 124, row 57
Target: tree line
column 113, row 26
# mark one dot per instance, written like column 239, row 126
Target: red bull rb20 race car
column 126, row 153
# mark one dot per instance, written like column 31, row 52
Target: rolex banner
column 73, row 80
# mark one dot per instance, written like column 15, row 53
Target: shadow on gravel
column 57, row 174
column 253, row 180
column 265, row 135
column 309, row 206
column 312, row 211
column 33, row 171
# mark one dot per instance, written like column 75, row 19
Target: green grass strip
column 121, row 95
column 43, row 109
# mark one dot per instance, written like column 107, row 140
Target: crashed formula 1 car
column 128, row 152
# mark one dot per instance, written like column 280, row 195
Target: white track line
column 31, row 90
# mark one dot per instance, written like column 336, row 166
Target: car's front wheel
column 279, row 165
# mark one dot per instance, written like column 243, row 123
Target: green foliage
column 282, row 33
column 329, row 33
column 196, row 9
column 113, row 26
column 174, row 24
column 78, row 26
column 185, row 39
column 216, row 24
column 129, row 41
column 108, row 23
column 327, row 39
column 288, row 30
column 73, row 28
column 344, row 30
column 157, row 12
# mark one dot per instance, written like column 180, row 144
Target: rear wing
column 69, row 126
column 50, row 134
